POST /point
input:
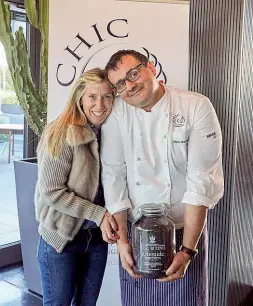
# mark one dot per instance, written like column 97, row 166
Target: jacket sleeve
column 205, row 184
column 114, row 170
column 52, row 180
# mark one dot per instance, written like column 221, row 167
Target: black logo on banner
column 111, row 31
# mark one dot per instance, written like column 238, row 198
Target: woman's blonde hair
column 73, row 113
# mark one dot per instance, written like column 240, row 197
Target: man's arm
column 114, row 174
column 204, row 182
column 113, row 171
column 194, row 222
column 114, row 168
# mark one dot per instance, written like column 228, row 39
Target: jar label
column 152, row 255
column 153, row 245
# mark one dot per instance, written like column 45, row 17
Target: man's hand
column 109, row 228
column 125, row 252
column 178, row 267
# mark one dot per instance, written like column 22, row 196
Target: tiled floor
column 9, row 227
column 13, row 290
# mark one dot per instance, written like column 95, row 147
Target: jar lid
column 153, row 208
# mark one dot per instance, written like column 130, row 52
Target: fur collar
column 77, row 135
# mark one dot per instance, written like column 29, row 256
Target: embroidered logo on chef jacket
column 178, row 120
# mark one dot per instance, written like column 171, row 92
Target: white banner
column 84, row 34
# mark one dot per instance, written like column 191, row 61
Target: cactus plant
column 32, row 99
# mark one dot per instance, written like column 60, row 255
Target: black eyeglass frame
column 127, row 77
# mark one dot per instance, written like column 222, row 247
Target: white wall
column 161, row 28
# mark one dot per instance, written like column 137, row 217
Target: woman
column 69, row 197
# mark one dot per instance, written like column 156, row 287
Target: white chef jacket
column 170, row 155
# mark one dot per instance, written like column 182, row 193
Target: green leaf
column 44, row 29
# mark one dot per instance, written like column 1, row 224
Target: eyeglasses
column 132, row 76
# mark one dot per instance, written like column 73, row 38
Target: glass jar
column 153, row 241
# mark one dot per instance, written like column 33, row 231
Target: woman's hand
column 109, row 228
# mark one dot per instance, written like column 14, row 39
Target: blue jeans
column 76, row 273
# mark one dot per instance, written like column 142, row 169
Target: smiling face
column 97, row 102
column 142, row 93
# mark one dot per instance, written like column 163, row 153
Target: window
column 12, row 143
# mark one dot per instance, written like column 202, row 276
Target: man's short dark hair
column 117, row 57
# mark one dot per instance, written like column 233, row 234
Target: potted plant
column 33, row 101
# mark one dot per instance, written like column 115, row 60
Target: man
column 161, row 145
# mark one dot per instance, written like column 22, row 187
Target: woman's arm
column 52, row 179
